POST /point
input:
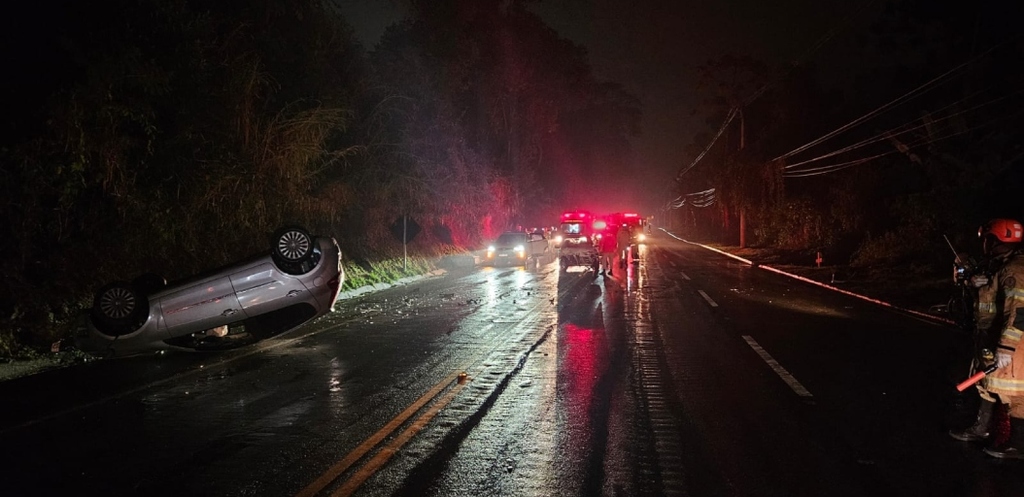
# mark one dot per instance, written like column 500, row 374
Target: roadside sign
column 405, row 229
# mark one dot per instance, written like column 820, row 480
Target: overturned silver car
column 266, row 295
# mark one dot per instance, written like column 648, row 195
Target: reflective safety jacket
column 999, row 311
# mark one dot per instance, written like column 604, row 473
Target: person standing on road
column 607, row 246
column 623, row 238
column 999, row 318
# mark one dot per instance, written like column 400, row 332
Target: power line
column 728, row 119
column 700, row 199
column 898, row 101
column 905, row 97
column 817, row 171
column 892, row 132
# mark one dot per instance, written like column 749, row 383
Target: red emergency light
column 630, row 214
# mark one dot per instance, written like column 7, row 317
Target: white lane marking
column 709, row 248
column 702, row 294
column 862, row 297
column 928, row 318
column 685, row 277
column 779, row 370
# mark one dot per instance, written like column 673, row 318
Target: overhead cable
column 699, row 199
column 907, row 96
column 899, row 100
column 816, row 171
column 902, row 129
column 728, row 119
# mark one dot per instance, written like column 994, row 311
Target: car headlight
column 641, row 237
column 558, row 239
column 490, row 251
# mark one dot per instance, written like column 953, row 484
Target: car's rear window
column 511, row 238
column 572, row 228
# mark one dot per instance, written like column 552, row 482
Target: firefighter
column 607, row 246
column 623, row 239
column 999, row 326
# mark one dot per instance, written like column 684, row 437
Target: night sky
column 654, row 47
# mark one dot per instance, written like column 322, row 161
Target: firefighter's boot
column 1013, row 448
column 980, row 429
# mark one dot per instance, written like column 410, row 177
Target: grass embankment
column 358, row 275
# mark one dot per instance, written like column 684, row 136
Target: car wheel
column 292, row 244
column 119, row 309
column 292, row 247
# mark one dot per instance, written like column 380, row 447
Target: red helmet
column 1004, row 230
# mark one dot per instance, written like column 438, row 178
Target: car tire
column 291, row 247
column 119, row 309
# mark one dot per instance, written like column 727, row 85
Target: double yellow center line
column 381, row 457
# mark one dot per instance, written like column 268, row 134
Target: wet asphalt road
column 689, row 374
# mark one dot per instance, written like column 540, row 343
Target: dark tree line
column 943, row 158
column 174, row 135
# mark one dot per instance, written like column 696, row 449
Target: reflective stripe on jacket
column 1004, row 295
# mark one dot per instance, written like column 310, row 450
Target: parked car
column 515, row 248
column 271, row 293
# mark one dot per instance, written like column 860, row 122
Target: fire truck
column 576, row 242
column 635, row 222
column 636, row 225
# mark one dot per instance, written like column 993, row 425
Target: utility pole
column 743, row 217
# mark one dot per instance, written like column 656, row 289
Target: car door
column 262, row 289
column 538, row 245
column 201, row 306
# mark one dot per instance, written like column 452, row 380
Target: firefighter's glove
column 1004, row 358
column 979, row 280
